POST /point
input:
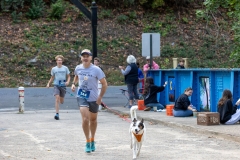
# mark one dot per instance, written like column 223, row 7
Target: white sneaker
column 161, row 110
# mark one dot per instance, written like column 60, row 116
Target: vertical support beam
column 186, row 62
column 177, row 84
column 175, row 62
column 94, row 29
column 213, row 103
column 93, row 17
column 232, row 81
column 82, row 8
column 191, row 84
column 151, row 59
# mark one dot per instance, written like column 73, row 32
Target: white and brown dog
column 137, row 132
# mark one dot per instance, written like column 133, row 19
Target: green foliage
column 36, row 10
column 165, row 63
column 105, row 13
column 16, row 17
column 185, row 20
column 233, row 7
column 157, row 3
column 114, row 77
column 159, row 27
column 116, row 3
column 132, row 15
column 152, row 3
column 7, row 5
column 53, row 1
column 207, row 55
column 121, row 19
column 57, row 9
column 38, row 35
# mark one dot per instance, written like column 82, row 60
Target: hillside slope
column 27, row 49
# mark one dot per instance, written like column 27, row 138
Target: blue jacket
column 140, row 74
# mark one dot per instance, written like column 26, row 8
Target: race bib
column 62, row 83
column 83, row 93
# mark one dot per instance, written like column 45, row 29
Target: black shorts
column 93, row 106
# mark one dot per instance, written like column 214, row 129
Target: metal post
column 94, row 29
column 175, row 62
column 186, row 62
column 93, row 17
column 21, row 99
column 151, row 51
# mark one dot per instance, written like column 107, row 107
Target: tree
column 233, row 7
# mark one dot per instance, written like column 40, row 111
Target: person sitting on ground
column 229, row 114
column 150, row 94
column 147, row 67
column 181, row 64
column 183, row 107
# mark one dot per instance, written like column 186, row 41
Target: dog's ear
column 142, row 120
column 134, row 120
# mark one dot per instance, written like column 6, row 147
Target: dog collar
column 138, row 136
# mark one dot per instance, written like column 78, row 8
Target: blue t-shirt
column 88, row 81
column 60, row 75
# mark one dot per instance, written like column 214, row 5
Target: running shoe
column 88, row 147
column 93, row 146
column 56, row 116
column 148, row 109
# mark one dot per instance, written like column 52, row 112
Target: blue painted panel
column 184, row 81
column 206, row 83
column 236, row 87
column 169, row 91
column 201, row 88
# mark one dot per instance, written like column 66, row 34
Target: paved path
column 36, row 135
column 230, row 132
column 43, row 99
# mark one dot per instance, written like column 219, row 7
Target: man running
column 87, row 75
column 59, row 74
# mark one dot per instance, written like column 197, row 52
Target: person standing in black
column 131, row 78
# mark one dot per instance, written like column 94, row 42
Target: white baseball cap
column 86, row 51
column 148, row 57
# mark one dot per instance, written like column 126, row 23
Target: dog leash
column 126, row 119
column 61, row 87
